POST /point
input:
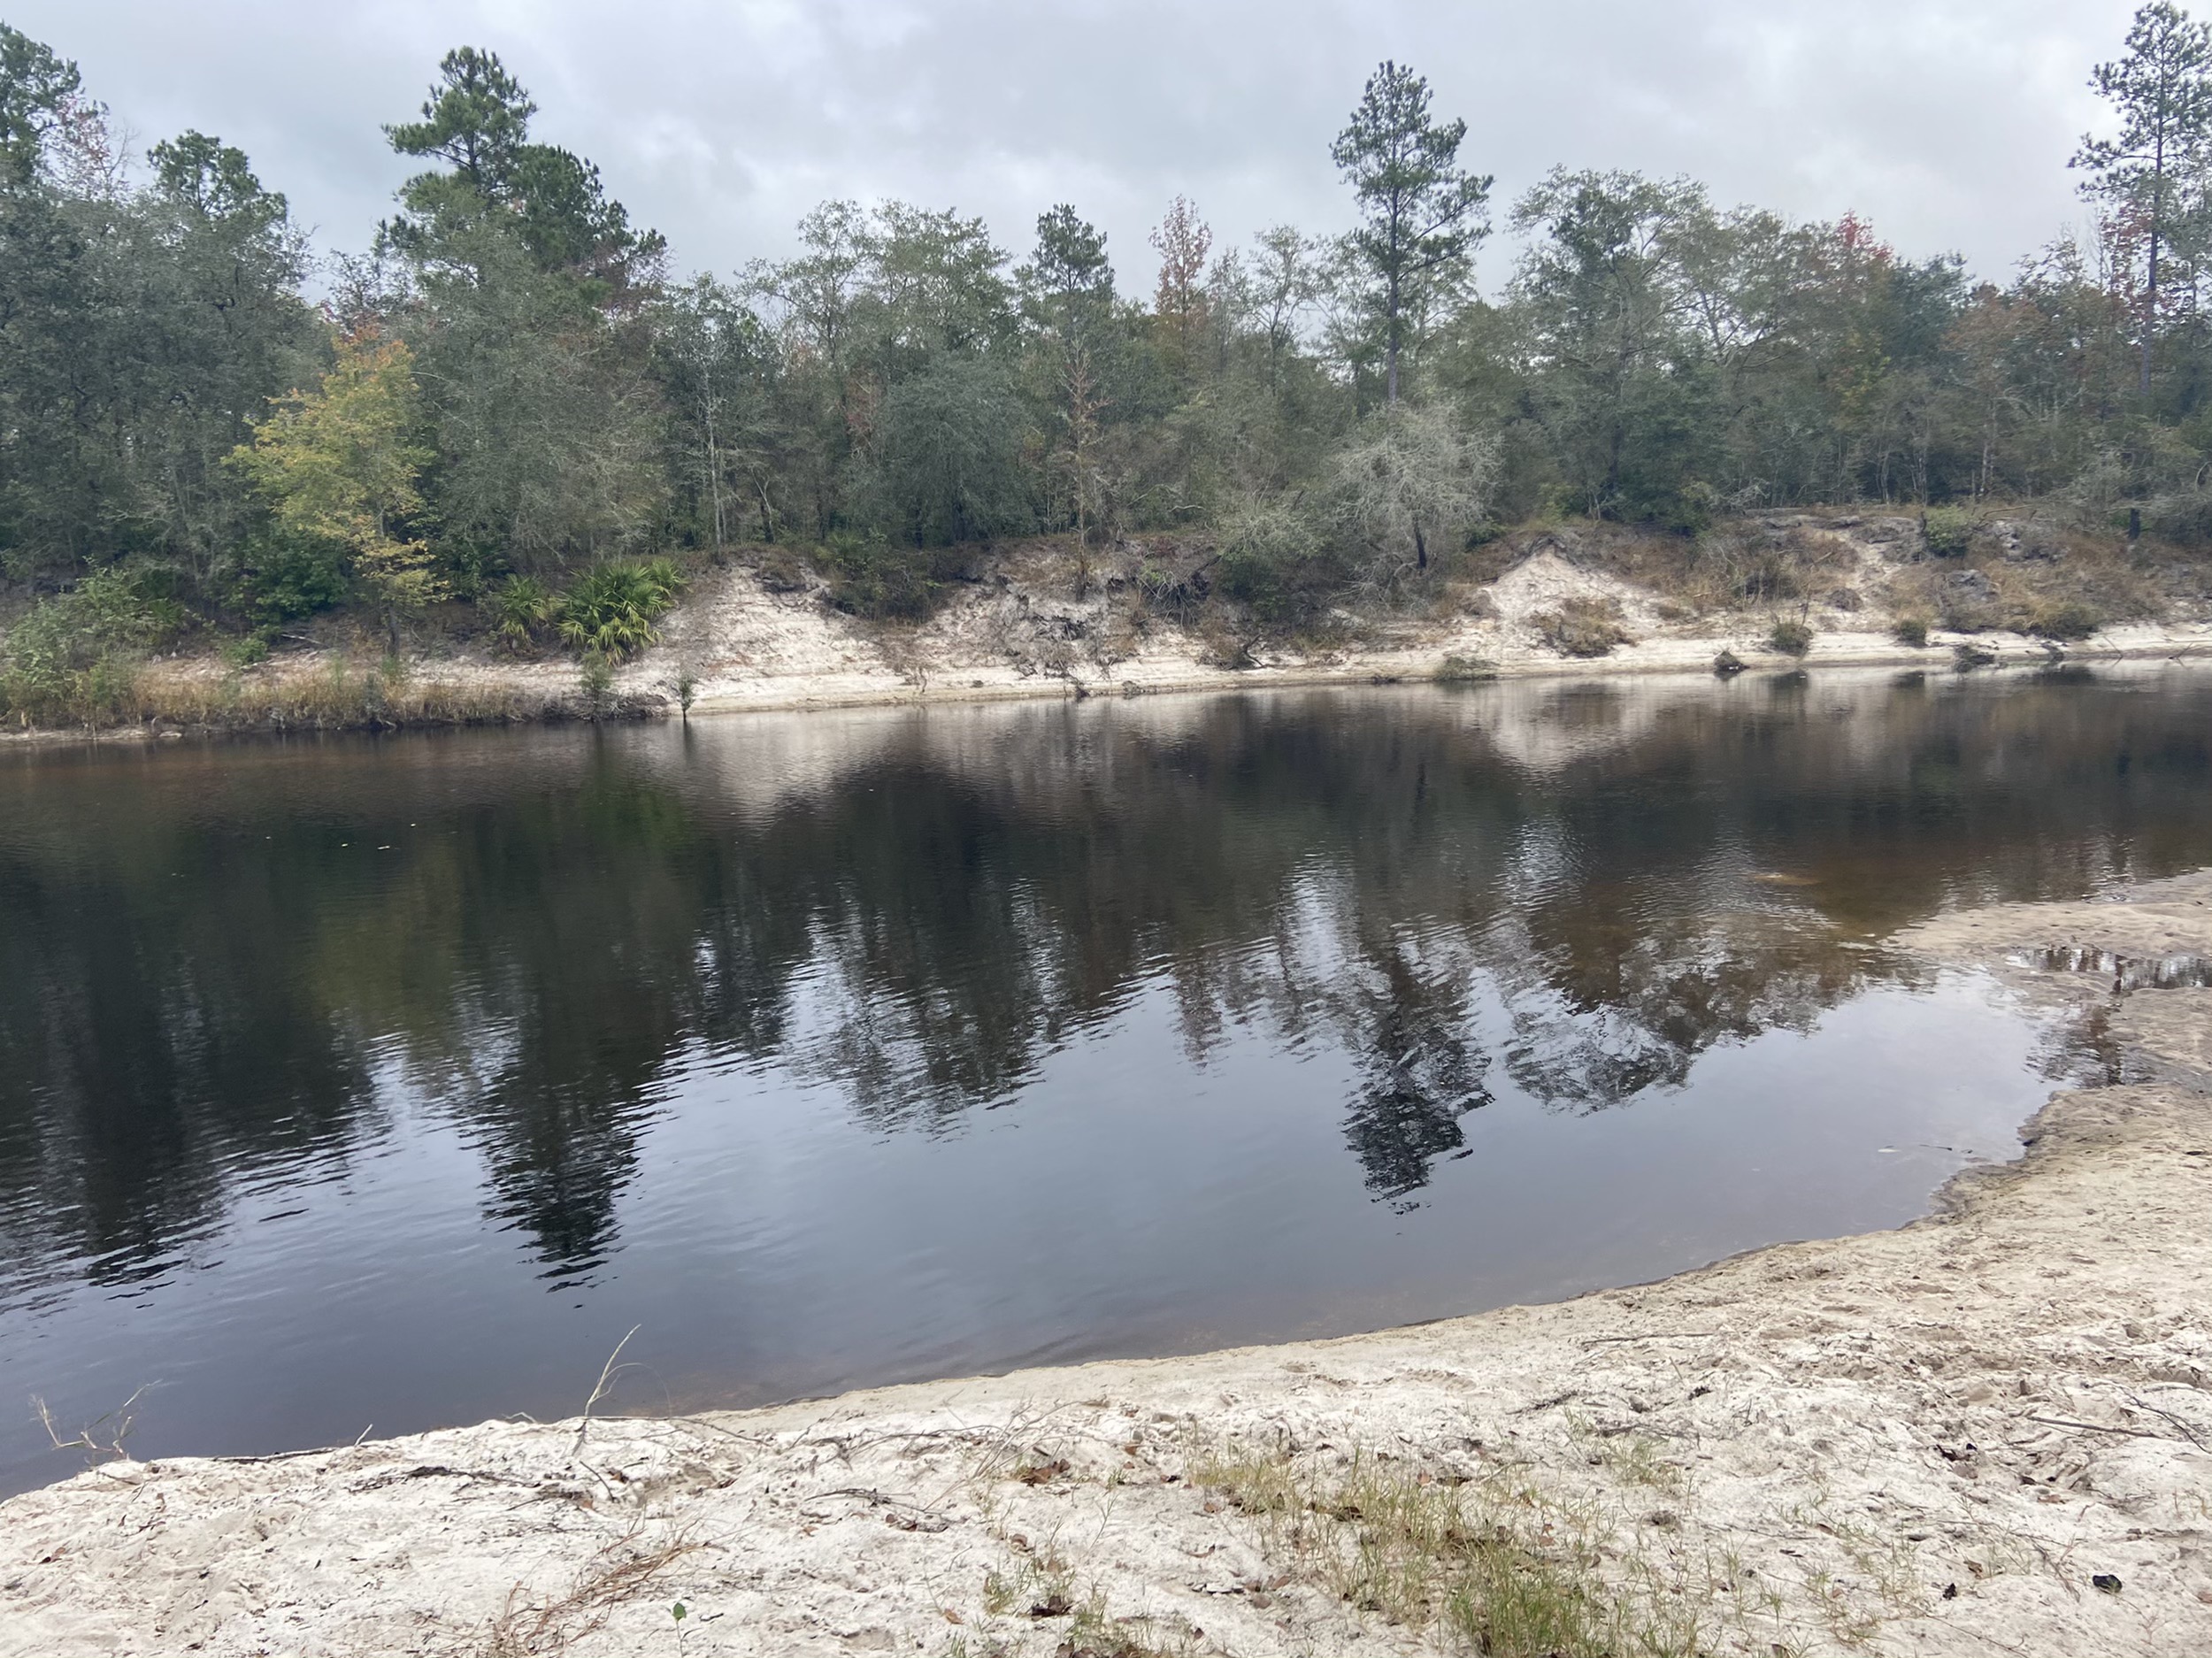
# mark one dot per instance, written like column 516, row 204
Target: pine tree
column 2163, row 89
column 1422, row 213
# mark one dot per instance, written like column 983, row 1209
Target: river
column 353, row 1083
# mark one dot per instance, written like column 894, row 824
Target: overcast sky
column 1946, row 123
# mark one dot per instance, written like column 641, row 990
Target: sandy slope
column 1929, row 1441
column 750, row 649
column 1018, row 631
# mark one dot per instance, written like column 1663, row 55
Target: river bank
column 1987, row 1430
column 749, row 636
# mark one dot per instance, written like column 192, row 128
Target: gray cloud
column 1947, row 123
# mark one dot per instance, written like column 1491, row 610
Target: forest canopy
column 512, row 405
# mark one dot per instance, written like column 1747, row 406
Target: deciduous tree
column 1183, row 241
column 342, row 465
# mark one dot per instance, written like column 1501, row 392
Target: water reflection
column 208, row 958
column 346, row 1082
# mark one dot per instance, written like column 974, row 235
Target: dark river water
column 356, row 1082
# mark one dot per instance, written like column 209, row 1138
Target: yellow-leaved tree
column 341, row 467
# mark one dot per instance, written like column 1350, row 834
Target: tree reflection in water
column 217, row 965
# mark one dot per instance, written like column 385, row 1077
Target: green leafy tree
column 937, row 286
column 2162, row 91
column 37, row 92
column 812, row 303
column 1619, row 363
column 713, row 359
column 140, row 328
column 341, row 467
column 947, row 454
column 1422, row 213
column 1284, row 283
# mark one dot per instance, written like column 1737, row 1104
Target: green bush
column 281, row 581
column 1691, row 509
column 869, row 576
column 1946, row 532
column 1273, row 561
column 249, row 647
column 611, row 609
column 1911, row 630
column 522, row 608
column 75, row 655
column 596, row 680
column 1791, row 638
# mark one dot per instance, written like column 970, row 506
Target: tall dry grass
column 342, row 694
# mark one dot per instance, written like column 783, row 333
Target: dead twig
column 1656, row 1335
column 2195, row 1438
column 116, row 1424
column 2105, row 1427
column 607, row 1373
column 615, row 1574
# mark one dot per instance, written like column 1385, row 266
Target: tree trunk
column 1390, row 393
column 714, row 467
column 2150, row 296
column 2150, row 320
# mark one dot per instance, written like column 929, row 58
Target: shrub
column 1169, row 591
column 1911, row 630
column 869, row 577
column 612, row 607
column 75, row 655
column 781, row 569
column 522, row 606
column 1966, row 656
column 1411, row 484
column 1272, row 561
column 2067, row 619
column 1465, row 669
column 1946, row 532
column 596, row 680
column 1728, row 664
column 1967, row 603
column 280, row 581
column 1768, row 573
column 1690, row 509
column 1791, row 638
column 1583, row 627
column 248, row 650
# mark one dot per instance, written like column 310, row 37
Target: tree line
column 503, row 411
